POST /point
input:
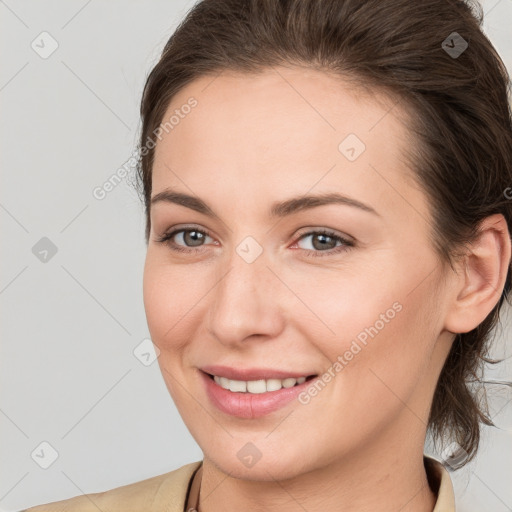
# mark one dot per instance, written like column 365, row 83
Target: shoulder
column 162, row 492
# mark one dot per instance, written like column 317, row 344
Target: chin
column 262, row 471
column 274, row 463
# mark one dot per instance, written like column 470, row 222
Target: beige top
column 178, row 491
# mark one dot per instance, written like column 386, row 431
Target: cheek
column 172, row 298
column 169, row 299
column 382, row 358
column 378, row 343
column 344, row 305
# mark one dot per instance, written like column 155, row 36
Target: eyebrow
column 278, row 209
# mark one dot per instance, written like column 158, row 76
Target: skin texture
column 256, row 139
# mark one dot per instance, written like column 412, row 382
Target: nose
column 245, row 303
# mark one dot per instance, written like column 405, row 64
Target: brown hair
column 462, row 122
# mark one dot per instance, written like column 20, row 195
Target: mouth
column 251, row 399
column 260, row 385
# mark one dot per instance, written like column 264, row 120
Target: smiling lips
column 252, row 393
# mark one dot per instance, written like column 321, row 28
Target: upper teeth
column 257, row 386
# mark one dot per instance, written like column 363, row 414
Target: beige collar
column 171, row 491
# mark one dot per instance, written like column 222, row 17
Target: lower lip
column 250, row 405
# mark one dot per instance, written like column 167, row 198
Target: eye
column 192, row 238
column 324, row 243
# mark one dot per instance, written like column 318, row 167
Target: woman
column 328, row 230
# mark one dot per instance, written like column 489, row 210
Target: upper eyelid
column 334, row 232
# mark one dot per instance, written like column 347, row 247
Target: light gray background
column 68, row 373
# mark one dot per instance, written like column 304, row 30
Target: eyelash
column 347, row 244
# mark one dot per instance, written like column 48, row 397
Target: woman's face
column 251, row 288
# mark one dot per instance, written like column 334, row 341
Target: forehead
column 281, row 132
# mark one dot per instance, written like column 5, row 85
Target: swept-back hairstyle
column 415, row 52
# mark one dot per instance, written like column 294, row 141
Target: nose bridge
column 244, row 299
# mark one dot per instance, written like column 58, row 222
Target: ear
column 482, row 276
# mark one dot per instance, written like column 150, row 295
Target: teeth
column 257, row 386
column 237, row 385
column 274, row 385
column 288, row 383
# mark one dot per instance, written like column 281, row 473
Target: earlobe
column 481, row 282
